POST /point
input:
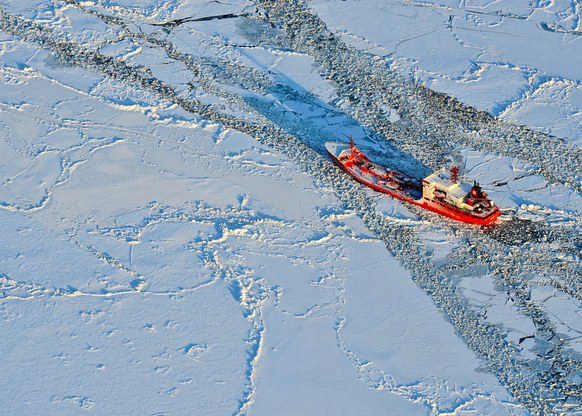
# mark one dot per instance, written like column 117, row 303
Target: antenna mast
column 454, row 174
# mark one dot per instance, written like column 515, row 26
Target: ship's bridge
column 440, row 186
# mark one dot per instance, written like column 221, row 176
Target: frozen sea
column 177, row 242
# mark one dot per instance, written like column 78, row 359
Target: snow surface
column 519, row 60
column 176, row 241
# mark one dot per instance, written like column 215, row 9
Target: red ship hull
column 451, row 212
column 410, row 190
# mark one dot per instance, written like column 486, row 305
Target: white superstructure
column 444, row 187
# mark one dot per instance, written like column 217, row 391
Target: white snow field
column 176, row 241
column 519, row 60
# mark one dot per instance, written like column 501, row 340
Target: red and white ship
column 440, row 192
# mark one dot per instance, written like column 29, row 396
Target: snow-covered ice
column 519, row 60
column 176, row 241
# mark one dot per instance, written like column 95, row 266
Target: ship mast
column 454, row 174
